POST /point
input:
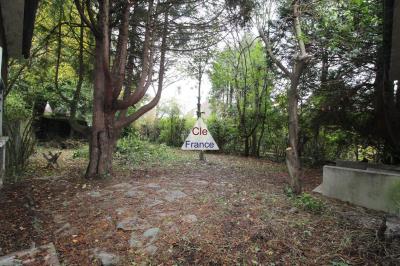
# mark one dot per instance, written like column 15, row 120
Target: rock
column 94, row 194
column 392, row 228
column 174, row 195
column 134, row 242
column 150, row 203
column 106, row 259
column 167, row 214
column 10, row 261
column 46, row 254
column 121, row 186
column 151, row 234
column 66, row 230
column 133, row 193
column 153, row 185
column 151, row 249
column 120, row 211
column 201, row 182
column 190, row 218
column 132, row 223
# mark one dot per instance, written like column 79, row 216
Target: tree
column 110, row 112
column 240, row 89
column 119, row 100
column 298, row 63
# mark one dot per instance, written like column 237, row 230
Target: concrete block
column 373, row 188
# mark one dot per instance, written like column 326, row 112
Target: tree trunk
column 102, row 138
column 254, row 143
column 246, row 146
column 292, row 156
column 101, row 150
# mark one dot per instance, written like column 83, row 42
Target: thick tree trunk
column 109, row 78
column 101, row 150
column 102, row 138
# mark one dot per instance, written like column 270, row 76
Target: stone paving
column 144, row 210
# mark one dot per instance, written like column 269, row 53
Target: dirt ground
column 227, row 211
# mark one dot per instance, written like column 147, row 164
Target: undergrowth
column 306, row 201
column 132, row 151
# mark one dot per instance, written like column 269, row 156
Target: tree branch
column 81, row 11
column 272, row 55
column 147, row 107
column 147, row 65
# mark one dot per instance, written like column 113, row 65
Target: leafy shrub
column 308, row 203
column 305, row 201
column 16, row 108
column 131, row 148
column 20, row 146
column 289, row 192
column 81, row 152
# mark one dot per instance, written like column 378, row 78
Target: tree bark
column 246, row 146
column 102, row 140
column 109, row 111
column 292, row 152
column 292, row 155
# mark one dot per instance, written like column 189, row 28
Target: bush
column 16, row 108
column 308, row 203
column 81, row 152
column 305, row 201
column 21, row 143
column 131, row 148
column 20, row 146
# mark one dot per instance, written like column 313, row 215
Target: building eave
column 18, row 17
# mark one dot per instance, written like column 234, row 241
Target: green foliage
column 18, row 127
column 339, row 263
column 167, row 125
column 20, row 146
column 32, row 81
column 394, row 195
column 81, row 152
column 224, row 132
column 305, row 201
column 309, row 203
column 246, row 118
column 16, row 108
column 136, row 151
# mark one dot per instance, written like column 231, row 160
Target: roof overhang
column 395, row 53
column 18, row 21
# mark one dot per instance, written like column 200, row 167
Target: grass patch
column 81, row 152
column 306, row 201
column 136, row 152
column 133, row 151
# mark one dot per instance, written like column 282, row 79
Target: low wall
column 371, row 188
column 365, row 166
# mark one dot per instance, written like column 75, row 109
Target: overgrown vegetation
column 305, row 201
column 132, row 151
